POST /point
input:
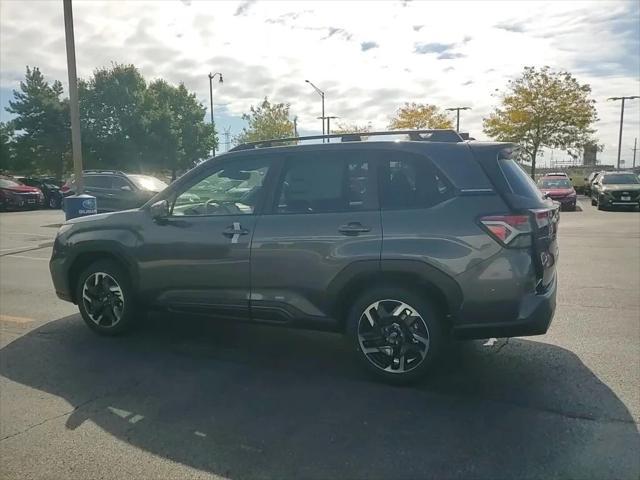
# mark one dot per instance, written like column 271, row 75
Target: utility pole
column 329, row 127
column 227, row 138
column 328, row 120
column 76, row 141
column 295, row 126
column 621, row 121
column 457, row 110
column 635, row 148
column 213, row 132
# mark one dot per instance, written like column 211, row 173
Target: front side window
column 233, row 189
column 323, row 183
column 97, row 181
column 117, row 183
column 410, row 181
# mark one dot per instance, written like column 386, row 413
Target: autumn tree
column 352, row 128
column 266, row 121
column 543, row 108
column 419, row 116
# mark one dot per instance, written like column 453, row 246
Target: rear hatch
column 520, row 193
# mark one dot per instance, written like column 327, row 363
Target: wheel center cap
column 395, row 335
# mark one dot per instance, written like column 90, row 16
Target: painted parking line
column 12, row 319
column 46, row 259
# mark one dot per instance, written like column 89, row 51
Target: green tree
column 42, row 122
column 112, row 118
column 543, row 108
column 418, row 116
column 7, row 155
column 177, row 136
column 266, row 121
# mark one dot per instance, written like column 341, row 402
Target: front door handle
column 234, row 231
column 353, row 228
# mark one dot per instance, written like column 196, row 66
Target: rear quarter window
column 518, row 181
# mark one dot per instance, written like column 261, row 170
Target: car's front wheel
column 53, row 202
column 396, row 333
column 105, row 298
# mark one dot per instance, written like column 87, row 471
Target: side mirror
column 125, row 188
column 159, row 210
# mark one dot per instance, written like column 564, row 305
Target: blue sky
column 369, row 57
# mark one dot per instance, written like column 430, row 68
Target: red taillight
column 507, row 228
column 65, row 188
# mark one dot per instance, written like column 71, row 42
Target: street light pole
column 621, row 121
column 321, row 93
column 457, row 110
column 76, row 141
column 635, row 149
column 211, row 77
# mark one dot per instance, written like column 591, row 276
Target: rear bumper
column 534, row 317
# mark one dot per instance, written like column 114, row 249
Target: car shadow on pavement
column 258, row 402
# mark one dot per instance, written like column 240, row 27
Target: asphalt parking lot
column 194, row 399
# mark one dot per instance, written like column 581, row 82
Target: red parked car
column 15, row 195
column 560, row 189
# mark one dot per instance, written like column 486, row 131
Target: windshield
column 555, row 183
column 6, row 183
column 620, row 179
column 146, row 182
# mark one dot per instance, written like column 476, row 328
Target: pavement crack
column 74, row 409
column 55, row 417
column 31, row 249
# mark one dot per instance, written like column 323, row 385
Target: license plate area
column 625, row 198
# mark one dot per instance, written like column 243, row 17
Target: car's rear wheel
column 105, row 298
column 396, row 333
column 600, row 205
column 593, row 202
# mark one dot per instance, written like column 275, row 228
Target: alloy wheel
column 393, row 336
column 103, row 299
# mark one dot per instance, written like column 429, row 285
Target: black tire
column 53, row 202
column 432, row 321
column 599, row 204
column 593, row 202
column 108, row 324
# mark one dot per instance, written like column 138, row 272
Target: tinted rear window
column 519, row 182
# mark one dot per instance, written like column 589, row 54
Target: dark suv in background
column 616, row 189
column 115, row 190
column 400, row 245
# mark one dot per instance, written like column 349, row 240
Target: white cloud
column 270, row 48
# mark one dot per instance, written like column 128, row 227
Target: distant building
column 589, row 155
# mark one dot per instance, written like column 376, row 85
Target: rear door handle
column 353, row 228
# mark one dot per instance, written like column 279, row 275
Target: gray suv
column 399, row 245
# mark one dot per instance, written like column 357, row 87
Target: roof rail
column 103, row 170
column 440, row 135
